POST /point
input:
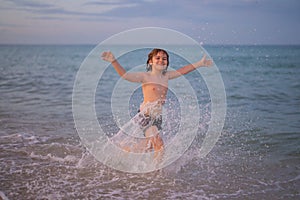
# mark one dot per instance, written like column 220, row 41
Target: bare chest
column 155, row 88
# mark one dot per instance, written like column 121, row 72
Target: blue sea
column 256, row 157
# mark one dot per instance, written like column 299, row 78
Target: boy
column 154, row 87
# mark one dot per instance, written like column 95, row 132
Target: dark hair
column 153, row 53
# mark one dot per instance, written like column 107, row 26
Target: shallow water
column 256, row 157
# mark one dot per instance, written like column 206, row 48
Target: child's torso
column 155, row 88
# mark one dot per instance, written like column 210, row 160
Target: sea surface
column 256, row 157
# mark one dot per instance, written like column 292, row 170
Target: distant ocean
column 256, row 157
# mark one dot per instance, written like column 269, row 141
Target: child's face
column 160, row 59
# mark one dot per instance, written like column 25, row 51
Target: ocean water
column 256, row 157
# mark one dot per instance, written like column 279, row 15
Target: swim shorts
column 146, row 121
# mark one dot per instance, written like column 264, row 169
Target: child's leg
column 155, row 142
column 158, row 143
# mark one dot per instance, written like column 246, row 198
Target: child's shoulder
column 146, row 73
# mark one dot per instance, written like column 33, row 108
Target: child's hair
column 153, row 53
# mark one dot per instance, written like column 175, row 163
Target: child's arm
column 191, row 67
column 132, row 77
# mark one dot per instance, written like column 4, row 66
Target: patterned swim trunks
column 146, row 121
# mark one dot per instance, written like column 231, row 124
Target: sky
column 206, row 21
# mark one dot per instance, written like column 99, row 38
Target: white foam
column 25, row 138
column 66, row 159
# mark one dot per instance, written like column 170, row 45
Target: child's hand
column 108, row 56
column 205, row 62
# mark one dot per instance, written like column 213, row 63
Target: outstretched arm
column 191, row 67
column 132, row 77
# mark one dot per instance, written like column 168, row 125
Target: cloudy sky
column 206, row 21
